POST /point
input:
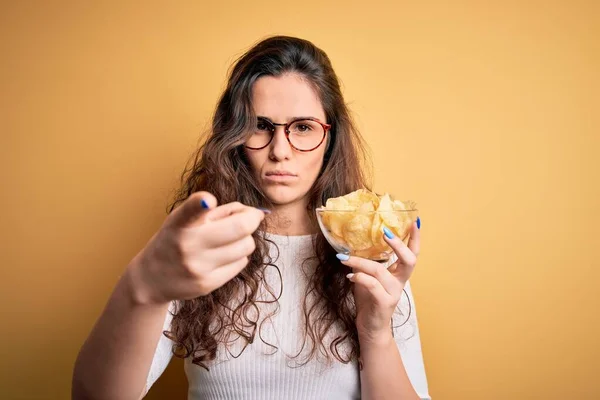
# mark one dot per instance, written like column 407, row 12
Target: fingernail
column 343, row 257
column 264, row 210
column 204, row 204
column 388, row 233
column 418, row 222
column 349, row 276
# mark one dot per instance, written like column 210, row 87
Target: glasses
column 304, row 134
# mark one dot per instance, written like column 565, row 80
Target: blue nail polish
column 343, row 257
column 418, row 222
column 388, row 233
column 204, row 204
column 266, row 211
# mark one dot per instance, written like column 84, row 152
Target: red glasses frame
column 272, row 125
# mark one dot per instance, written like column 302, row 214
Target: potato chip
column 385, row 203
column 386, row 210
column 377, row 230
column 338, row 203
column 362, row 196
column 366, row 208
column 354, row 232
column 336, row 221
column 398, row 205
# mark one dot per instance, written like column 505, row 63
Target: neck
column 290, row 220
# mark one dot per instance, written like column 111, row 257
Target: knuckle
column 380, row 270
column 189, row 270
column 242, row 226
column 183, row 246
column 412, row 261
column 409, row 260
column 371, row 284
column 244, row 261
column 397, row 295
column 204, row 287
column 249, row 245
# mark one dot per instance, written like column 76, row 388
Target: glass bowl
column 360, row 233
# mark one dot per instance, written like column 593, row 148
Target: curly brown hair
column 220, row 167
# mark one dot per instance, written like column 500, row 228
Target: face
column 284, row 173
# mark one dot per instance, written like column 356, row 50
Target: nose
column 280, row 148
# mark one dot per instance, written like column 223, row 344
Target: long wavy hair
column 220, row 167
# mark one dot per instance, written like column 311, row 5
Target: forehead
column 285, row 97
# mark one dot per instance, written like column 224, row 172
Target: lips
column 279, row 173
column 280, row 177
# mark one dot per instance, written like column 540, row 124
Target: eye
column 263, row 126
column 303, row 128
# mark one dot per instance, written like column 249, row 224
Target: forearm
column 116, row 357
column 383, row 375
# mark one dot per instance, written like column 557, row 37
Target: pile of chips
column 356, row 220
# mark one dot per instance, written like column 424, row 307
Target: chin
column 282, row 195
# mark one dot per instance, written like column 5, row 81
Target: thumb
column 193, row 209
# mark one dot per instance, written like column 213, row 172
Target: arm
column 378, row 289
column 400, row 362
column 383, row 375
column 115, row 359
column 198, row 249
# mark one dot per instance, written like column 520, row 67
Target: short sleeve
column 163, row 353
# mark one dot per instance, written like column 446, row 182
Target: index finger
column 232, row 226
column 224, row 210
column 192, row 210
column 374, row 269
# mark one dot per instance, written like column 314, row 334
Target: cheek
column 256, row 158
column 313, row 165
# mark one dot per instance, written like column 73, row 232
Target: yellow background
column 484, row 112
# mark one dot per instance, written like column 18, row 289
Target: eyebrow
column 291, row 119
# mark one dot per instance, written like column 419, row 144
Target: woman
column 261, row 306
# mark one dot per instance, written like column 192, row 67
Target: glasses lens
column 261, row 135
column 306, row 134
